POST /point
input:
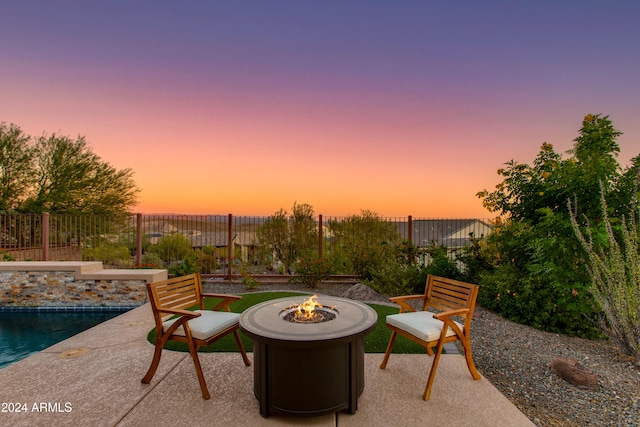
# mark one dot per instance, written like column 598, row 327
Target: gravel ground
column 516, row 359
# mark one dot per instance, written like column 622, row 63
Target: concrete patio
column 94, row 377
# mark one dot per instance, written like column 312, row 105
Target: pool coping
column 87, row 270
column 122, row 309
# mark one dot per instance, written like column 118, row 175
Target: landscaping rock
column 573, row 372
column 360, row 292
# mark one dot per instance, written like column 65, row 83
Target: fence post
column 138, row 240
column 410, row 228
column 230, row 250
column 45, row 236
column 320, row 236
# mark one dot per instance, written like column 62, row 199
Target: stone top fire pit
column 325, row 349
column 268, row 320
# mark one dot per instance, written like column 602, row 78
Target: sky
column 248, row 107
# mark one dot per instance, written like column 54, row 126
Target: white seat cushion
column 208, row 324
column 420, row 324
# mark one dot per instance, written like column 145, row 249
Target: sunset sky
column 245, row 107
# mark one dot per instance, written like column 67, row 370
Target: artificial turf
column 375, row 342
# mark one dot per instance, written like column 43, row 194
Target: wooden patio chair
column 169, row 302
column 450, row 298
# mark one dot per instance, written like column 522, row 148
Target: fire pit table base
column 308, row 369
column 308, row 381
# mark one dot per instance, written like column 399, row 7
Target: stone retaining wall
column 73, row 285
column 62, row 289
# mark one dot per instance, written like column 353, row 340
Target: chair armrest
column 446, row 318
column 451, row 313
column 402, row 302
column 178, row 312
column 225, row 296
column 226, row 300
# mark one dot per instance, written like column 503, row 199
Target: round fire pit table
column 308, row 368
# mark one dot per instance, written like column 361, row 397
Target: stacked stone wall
column 62, row 289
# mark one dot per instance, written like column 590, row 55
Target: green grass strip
column 375, row 342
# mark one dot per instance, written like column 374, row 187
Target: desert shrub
column 193, row 261
column 288, row 237
column 442, row 264
column 404, row 276
column 207, row 262
column 475, row 260
column 536, row 279
column 173, row 247
column 210, row 250
column 365, row 242
column 183, row 267
column 615, row 276
column 407, row 253
column 395, row 279
column 311, row 270
column 248, row 281
column 151, row 259
column 401, row 277
column 112, row 255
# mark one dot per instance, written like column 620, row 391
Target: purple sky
column 403, row 108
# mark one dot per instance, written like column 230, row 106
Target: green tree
column 304, row 232
column 72, row 179
column 593, row 162
column 619, row 202
column 524, row 188
column 538, row 275
column 274, row 235
column 17, row 173
column 366, row 241
column 291, row 237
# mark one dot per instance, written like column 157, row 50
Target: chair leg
column 432, row 372
column 247, row 362
column 196, row 362
column 155, row 362
column 392, row 340
column 469, row 358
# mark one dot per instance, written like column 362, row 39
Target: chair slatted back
column 177, row 293
column 448, row 294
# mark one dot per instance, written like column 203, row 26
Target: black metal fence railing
column 224, row 245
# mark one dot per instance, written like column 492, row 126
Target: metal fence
column 224, row 245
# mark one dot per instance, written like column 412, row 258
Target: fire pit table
column 308, row 361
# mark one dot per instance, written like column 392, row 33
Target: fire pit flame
column 310, row 311
column 307, row 310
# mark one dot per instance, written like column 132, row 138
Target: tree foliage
column 17, row 172
column 538, row 274
column 366, row 241
column 290, row 237
column 57, row 174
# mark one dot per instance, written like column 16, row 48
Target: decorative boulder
column 573, row 372
column 360, row 292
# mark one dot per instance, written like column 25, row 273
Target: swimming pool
column 24, row 332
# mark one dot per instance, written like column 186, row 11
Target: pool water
column 26, row 332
